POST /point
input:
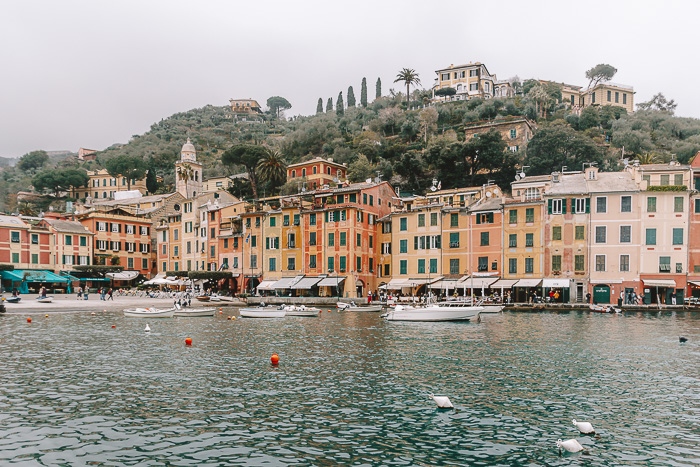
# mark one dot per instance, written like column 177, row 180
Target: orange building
column 317, row 172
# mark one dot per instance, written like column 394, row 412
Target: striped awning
column 306, row 283
column 477, row 282
column 331, row 281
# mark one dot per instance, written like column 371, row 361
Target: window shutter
column 478, row 219
column 326, row 216
column 563, row 205
column 438, row 241
column 277, row 243
column 415, row 243
column 490, row 218
column 549, row 206
column 267, row 243
column 588, row 205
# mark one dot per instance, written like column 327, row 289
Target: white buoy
column 148, row 328
column 442, row 402
column 570, row 445
column 584, row 427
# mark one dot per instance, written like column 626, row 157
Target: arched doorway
column 601, row 293
column 359, row 288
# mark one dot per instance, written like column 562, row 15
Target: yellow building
column 101, row 185
column 471, row 80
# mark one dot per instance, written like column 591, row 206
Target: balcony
column 454, row 244
column 291, row 245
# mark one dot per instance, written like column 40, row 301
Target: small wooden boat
column 194, row 312
column 301, row 310
column 14, row 299
column 342, row 306
column 203, row 298
column 263, row 311
column 45, row 299
column 604, row 309
column 150, row 312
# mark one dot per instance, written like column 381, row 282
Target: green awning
column 20, row 275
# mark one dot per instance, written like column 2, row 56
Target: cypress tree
column 339, row 106
column 319, row 106
column 351, row 97
column 363, row 93
column 151, row 180
column 379, row 88
column 329, row 104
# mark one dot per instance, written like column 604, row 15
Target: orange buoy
column 229, row 318
column 275, row 359
column 329, row 311
column 114, row 326
column 188, row 341
column 221, row 310
column 29, row 319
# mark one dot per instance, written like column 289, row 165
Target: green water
column 350, row 389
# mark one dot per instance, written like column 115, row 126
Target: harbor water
column 350, row 389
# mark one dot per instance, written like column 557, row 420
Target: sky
column 93, row 73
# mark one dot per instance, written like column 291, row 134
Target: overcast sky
column 93, row 73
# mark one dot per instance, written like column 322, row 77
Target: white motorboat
column 45, row 299
column 342, row 306
column 446, row 311
column 604, row 309
column 301, row 310
column 263, row 311
column 150, row 312
column 194, row 312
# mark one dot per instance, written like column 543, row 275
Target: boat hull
column 13, row 299
column 203, row 298
column 195, row 312
column 352, row 307
column 149, row 313
column 262, row 313
column 293, row 310
column 433, row 313
column 44, row 300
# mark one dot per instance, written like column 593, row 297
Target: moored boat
column 263, row 311
column 150, row 312
column 342, row 306
column 446, row 311
column 203, row 298
column 604, row 309
column 194, row 312
column 14, row 299
column 45, row 299
column 301, row 310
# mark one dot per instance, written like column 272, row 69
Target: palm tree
column 272, row 168
column 648, row 158
column 408, row 76
column 185, row 173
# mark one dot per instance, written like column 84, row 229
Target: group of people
column 105, row 294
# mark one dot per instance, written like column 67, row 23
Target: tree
column 428, row 122
column 600, row 72
column 339, row 106
column 185, row 172
column 131, row 167
column 33, row 160
column 319, row 106
column 272, row 168
column 59, row 180
column 363, row 93
column 248, row 156
column 659, row 103
column 448, row 91
column 558, row 145
column 329, row 104
column 151, row 180
column 409, row 77
column 378, row 88
column 277, row 104
column 351, row 97
column 360, row 170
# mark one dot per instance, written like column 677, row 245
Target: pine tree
column 319, row 106
column 329, row 105
column 363, row 93
column 351, row 97
column 339, row 106
column 379, row 88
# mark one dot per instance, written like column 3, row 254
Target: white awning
column 123, row 276
column 397, row 284
column 528, row 283
column 159, row 279
column 659, row 283
column 556, row 283
column 444, row 284
column 504, row 284
column 477, row 282
column 306, row 283
column 267, row 285
column 416, row 281
column 331, row 281
column 695, row 283
column 284, row 283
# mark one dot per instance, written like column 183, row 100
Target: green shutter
column 549, row 206
column 588, row 205
column 267, row 243
column 438, row 241
column 277, row 243
column 415, row 243
column 326, row 216
column 478, row 218
column 563, row 205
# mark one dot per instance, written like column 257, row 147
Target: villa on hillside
column 470, row 81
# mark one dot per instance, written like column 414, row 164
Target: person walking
column 103, row 292
column 110, row 292
column 80, row 293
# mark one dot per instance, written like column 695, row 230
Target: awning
column 421, row 280
column 123, row 276
column 331, row 281
column 528, row 283
column 267, row 285
column 306, row 283
column 556, row 283
column 694, row 283
column 444, row 284
column 284, row 283
column 504, row 284
column 159, row 277
column 477, row 282
column 659, row 283
column 19, row 275
column 397, row 284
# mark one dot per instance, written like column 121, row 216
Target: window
column 433, row 218
column 651, row 204
column 513, row 216
column 15, row 237
column 312, row 261
column 296, row 219
column 312, row 238
column 386, row 248
column 600, row 263
column 579, row 232
column 579, row 263
column 625, row 234
column 421, row 266
column 513, row 134
column 358, row 240
column 556, row 262
column 285, row 220
column 454, row 239
column 512, row 265
column 176, row 251
column 358, row 263
column 253, row 261
column 343, row 238
column 624, row 98
column 130, row 229
column 331, row 239
column 580, row 205
column 529, row 239
column 664, row 180
column 35, row 258
column 433, row 265
column 601, row 204
column 529, row 265
column 651, row 237
column 624, row 263
column 555, row 206
column 678, row 179
column 532, row 193
column 254, row 241
column 403, row 267
column 484, row 238
column 677, row 204
column 601, row 232
column 312, row 218
column 421, row 220
column 403, row 224
column 454, row 266
column 273, row 221
column 664, row 264
column 291, row 240
column 115, row 228
column 556, row 232
column 626, row 204
column 454, row 220
column 35, row 237
column 678, row 236
column 102, row 226
column 483, row 263
column 484, row 218
column 15, row 258
column 212, row 251
column 331, row 264
column 291, row 264
column 371, row 242
column 513, row 240
column 697, row 207
column 530, row 215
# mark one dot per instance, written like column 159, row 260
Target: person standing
column 80, row 293
column 102, row 293
column 110, row 292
